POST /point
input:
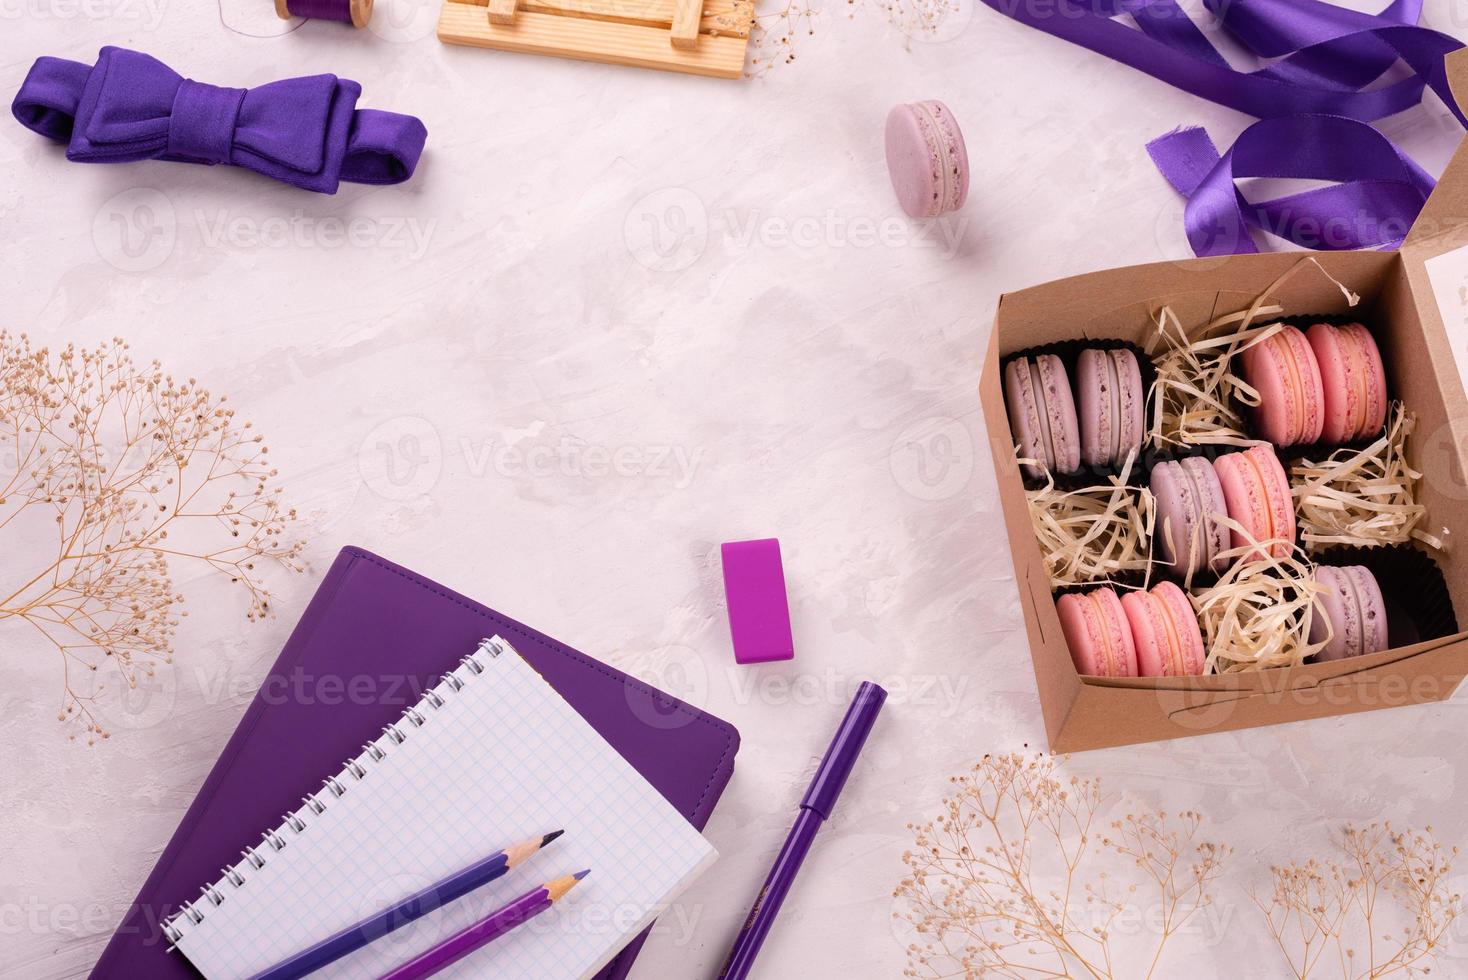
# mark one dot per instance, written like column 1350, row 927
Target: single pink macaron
column 1165, row 632
column 1110, row 398
column 1042, row 414
column 926, row 158
column 1353, row 379
column 1354, row 609
column 1097, row 633
column 1189, row 533
column 1283, row 370
column 1257, row 493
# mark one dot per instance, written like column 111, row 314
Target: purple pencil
column 486, row 930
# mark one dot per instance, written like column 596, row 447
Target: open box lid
column 1445, row 215
column 1435, row 260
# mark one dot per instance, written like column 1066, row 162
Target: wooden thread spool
column 354, row 12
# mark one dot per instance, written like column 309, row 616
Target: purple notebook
column 373, row 619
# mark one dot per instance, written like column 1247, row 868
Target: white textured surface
column 794, row 368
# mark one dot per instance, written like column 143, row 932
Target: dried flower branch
column 775, row 32
column 117, row 470
column 1328, row 917
column 773, row 35
column 1005, row 882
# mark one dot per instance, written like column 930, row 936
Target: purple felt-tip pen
column 815, row 809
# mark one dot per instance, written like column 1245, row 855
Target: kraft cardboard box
column 1416, row 303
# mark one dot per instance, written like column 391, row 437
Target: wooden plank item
column 700, row 37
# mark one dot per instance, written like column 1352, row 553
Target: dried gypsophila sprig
column 1363, row 497
column 976, row 894
column 1196, row 396
column 1259, row 613
column 920, row 19
column 121, row 471
column 774, row 33
column 1093, row 534
column 1385, row 908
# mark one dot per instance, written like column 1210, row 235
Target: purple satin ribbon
column 306, row 132
column 1312, row 99
column 1378, row 193
column 1329, row 53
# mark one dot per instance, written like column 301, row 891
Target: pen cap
column 842, row 754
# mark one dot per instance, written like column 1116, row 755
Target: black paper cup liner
column 1124, row 582
column 1418, row 605
column 1069, row 352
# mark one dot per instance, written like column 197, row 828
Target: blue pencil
column 414, row 906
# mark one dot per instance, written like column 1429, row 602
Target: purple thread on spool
column 354, row 12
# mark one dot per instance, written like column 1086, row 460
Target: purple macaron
column 1110, row 399
column 1353, row 607
column 926, row 158
column 1042, row 414
column 1188, row 532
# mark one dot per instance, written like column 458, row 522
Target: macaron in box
column 1142, row 634
column 1123, row 307
column 1326, row 384
column 1098, row 421
column 1350, row 610
column 1257, row 495
column 1189, row 535
column 1193, row 496
column 1111, row 405
column 1042, row 414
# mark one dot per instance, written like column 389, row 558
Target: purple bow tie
column 304, row 131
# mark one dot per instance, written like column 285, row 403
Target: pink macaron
column 1165, row 632
column 1042, row 414
column 1097, row 633
column 1353, row 380
column 1189, row 533
column 1110, row 400
column 1353, row 607
column 1283, row 370
column 1257, row 493
column 926, row 158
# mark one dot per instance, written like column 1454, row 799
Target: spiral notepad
column 488, row 756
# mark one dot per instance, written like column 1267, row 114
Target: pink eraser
column 759, row 615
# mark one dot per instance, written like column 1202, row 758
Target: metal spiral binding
column 297, row 821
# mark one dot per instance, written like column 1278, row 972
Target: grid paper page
column 502, row 760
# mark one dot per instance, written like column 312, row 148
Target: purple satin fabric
column 1312, row 100
column 1378, row 194
column 306, row 132
column 1329, row 52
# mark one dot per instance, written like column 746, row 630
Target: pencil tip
column 581, row 874
column 550, row 837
